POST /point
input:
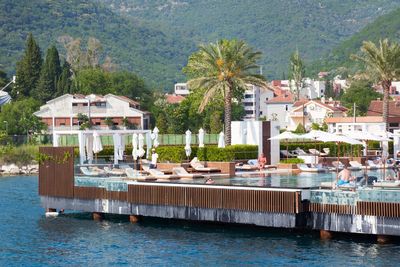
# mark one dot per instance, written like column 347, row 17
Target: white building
column 314, row 111
column 278, row 109
column 254, row 98
column 372, row 124
column 181, row 89
column 311, row 89
column 62, row 112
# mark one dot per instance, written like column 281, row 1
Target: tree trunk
column 385, row 104
column 228, row 115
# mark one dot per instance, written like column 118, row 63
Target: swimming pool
column 283, row 180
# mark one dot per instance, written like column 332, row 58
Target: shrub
column 21, row 155
column 292, row 161
column 345, row 149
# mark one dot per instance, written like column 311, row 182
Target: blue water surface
column 27, row 238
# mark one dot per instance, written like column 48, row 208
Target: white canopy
column 155, row 137
column 141, row 146
column 286, row 136
column 364, row 135
column 97, row 145
column 135, row 150
column 81, row 143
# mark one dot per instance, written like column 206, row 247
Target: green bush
column 292, row 161
column 21, row 155
column 345, row 149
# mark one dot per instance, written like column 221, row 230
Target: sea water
column 28, row 238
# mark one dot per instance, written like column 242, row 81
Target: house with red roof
column 375, row 109
column 278, row 107
column 307, row 112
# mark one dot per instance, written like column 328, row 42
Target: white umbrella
column 201, row 137
column 121, row 148
column 81, row 142
column 221, row 140
column 148, row 144
column 135, row 152
column 97, row 145
column 286, row 136
column 55, row 140
column 89, row 148
column 155, row 137
column 117, row 144
column 141, row 146
column 188, row 141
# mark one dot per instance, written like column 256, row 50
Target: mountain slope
column 386, row 26
column 276, row 27
column 147, row 51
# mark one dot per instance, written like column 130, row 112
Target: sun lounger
column 300, row 152
column 356, row 166
column 311, row 168
column 86, row 171
column 196, row 165
column 160, row 175
column 326, row 150
column 182, row 173
column 114, row 171
column 337, row 165
column 286, row 154
column 316, row 152
column 134, row 174
column 372, row 165
column 387, row 184
column 347, row 186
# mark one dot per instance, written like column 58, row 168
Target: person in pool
column 210, row 181
column 345, row 176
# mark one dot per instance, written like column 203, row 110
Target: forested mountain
column 154, row 38
column 386, row 26
column 147, row 51
column 276, row 27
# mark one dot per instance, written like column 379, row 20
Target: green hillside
column 276, row 27
column 386, row 26
column 147, row 51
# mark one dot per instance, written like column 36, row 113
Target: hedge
column 292, row 161
column 177, row 153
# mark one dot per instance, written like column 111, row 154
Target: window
column 100, row 104
column 98, row 123
column 248, row 104
column 260, row 112
column 74, row 104
column 115, row 123
column 248, row 96
column 85, row 104
column 286, row 107
column 249, row 112
column 266, row 99
column 393, row 124
column 62, row 124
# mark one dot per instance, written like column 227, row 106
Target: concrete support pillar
column 51, row 210
column 134, row 218
column 98, row 216
column 382, row 239
column 325, row 235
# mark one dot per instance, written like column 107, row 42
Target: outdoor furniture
column 160, row 175
column 299, row 151
column 134, row 174
column 387, row 184
column 326, row 150
column 86, row 171
column 114, row 171
column 337, row 165
column 197, row 166
column 316, row 152
column 311, row 168
column 355, row 165
column 182, row 173
column 286, row 154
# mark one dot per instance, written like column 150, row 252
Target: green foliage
column 300, row 129
column 296, row 73
column 49, row 75
column 83, row 121
column 64, row 83
column 109, row 122
column 345, row 149
column 361, row 93
column 20, row 118
column 292, row 161
column 21, row 155
column 28, row 69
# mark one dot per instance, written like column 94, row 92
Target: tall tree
column 223, row 68
column 28, row 69
column 297, row 72
column 383, row 65
column 64, row 83
column 49, row 75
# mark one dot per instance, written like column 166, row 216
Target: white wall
column 250, row 133
column 282, row 116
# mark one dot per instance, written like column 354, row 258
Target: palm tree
column 383, row 64
column 224, row 69
column 297, row 71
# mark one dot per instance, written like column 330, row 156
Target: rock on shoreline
column 12, row 169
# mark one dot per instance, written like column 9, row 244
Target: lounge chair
column 182, row 173
column 356, row 166
column 114, row 171
column 311, row 168
column 372, row 165
column 134, row 174
column 316, row 152
column 88, row 172
column 300, row 152
column 197, row 166
column 337, row 165
column 387, row 184
column 286, row 154
column 326, row 150
column 160, row 175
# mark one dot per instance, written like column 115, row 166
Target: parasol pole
column 287, row 150
column 366, row 162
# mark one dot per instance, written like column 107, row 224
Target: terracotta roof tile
column 283, row 98
column 375, row 108
column 174, row 99
column 366, row 119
